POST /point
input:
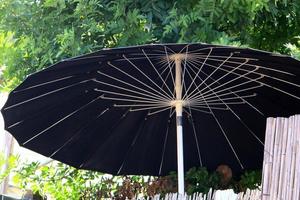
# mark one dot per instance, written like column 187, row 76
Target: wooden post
column 281, row 166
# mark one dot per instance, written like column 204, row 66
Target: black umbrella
column 117, row 110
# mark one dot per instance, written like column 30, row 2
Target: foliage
column 200, row 180
column 294, row 49
column 7, row 165
column 35, row 34
column 251, row 180
column 276, row 25
column 62, row 182
column 162, row 185
column 11, row 59
column 44, row 32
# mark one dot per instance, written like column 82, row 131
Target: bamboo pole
column 179, row 107
column 281, row 167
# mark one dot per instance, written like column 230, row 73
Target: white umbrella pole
column 178, row 105
column 180, row 164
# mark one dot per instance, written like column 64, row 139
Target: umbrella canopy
column 114, row 110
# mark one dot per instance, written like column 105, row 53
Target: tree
column 35, row 34
column 7, row 165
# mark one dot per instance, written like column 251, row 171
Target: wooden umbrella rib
column 192, row 122
column 158, row 111
column 145, row 75
column 144, row 84
column 256, row 80
column 207, row 48
column 209, row 96
column 165, row 144
column 214, row 57
column 184, row 67
column 169, row 66
column 159, row 75
column 226, row 137
column 239, row 76
column 146, row 105
column 134, row 58
column 123, row 116
column 146, row 92
column 238, row 117
column 224, row 99
column 200, row 97
column 195, row 135
column 61, row 120
column 77, row 133
column 198, row 72
column 211, row 58
column 45, row 94
column 205, row 106
column 222, row 77
column 238, row 91
column 131, row 145
column 268, row 76
column 224, row 133
column 147, row 108
column 136, row 101
column 229, row 108
column 42, row 84
column 203, row 111
column 121, row 96
column 191, row 94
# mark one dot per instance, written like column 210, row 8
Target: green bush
column 251, row 180
column 200, row 180
column 62, row 182
column 9, row 163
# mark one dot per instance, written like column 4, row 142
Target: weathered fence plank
column 281, row 168
column 211, row 195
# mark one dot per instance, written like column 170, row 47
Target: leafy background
column 37, row 33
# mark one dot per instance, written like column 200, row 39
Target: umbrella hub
column 179, row 56
column 175, row 103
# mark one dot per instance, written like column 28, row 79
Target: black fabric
column 59, row 113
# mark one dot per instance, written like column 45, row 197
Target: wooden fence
column 281, row 169
column 211, row 195
column 281, row 166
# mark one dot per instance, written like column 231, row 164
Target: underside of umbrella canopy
column 114, row 110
